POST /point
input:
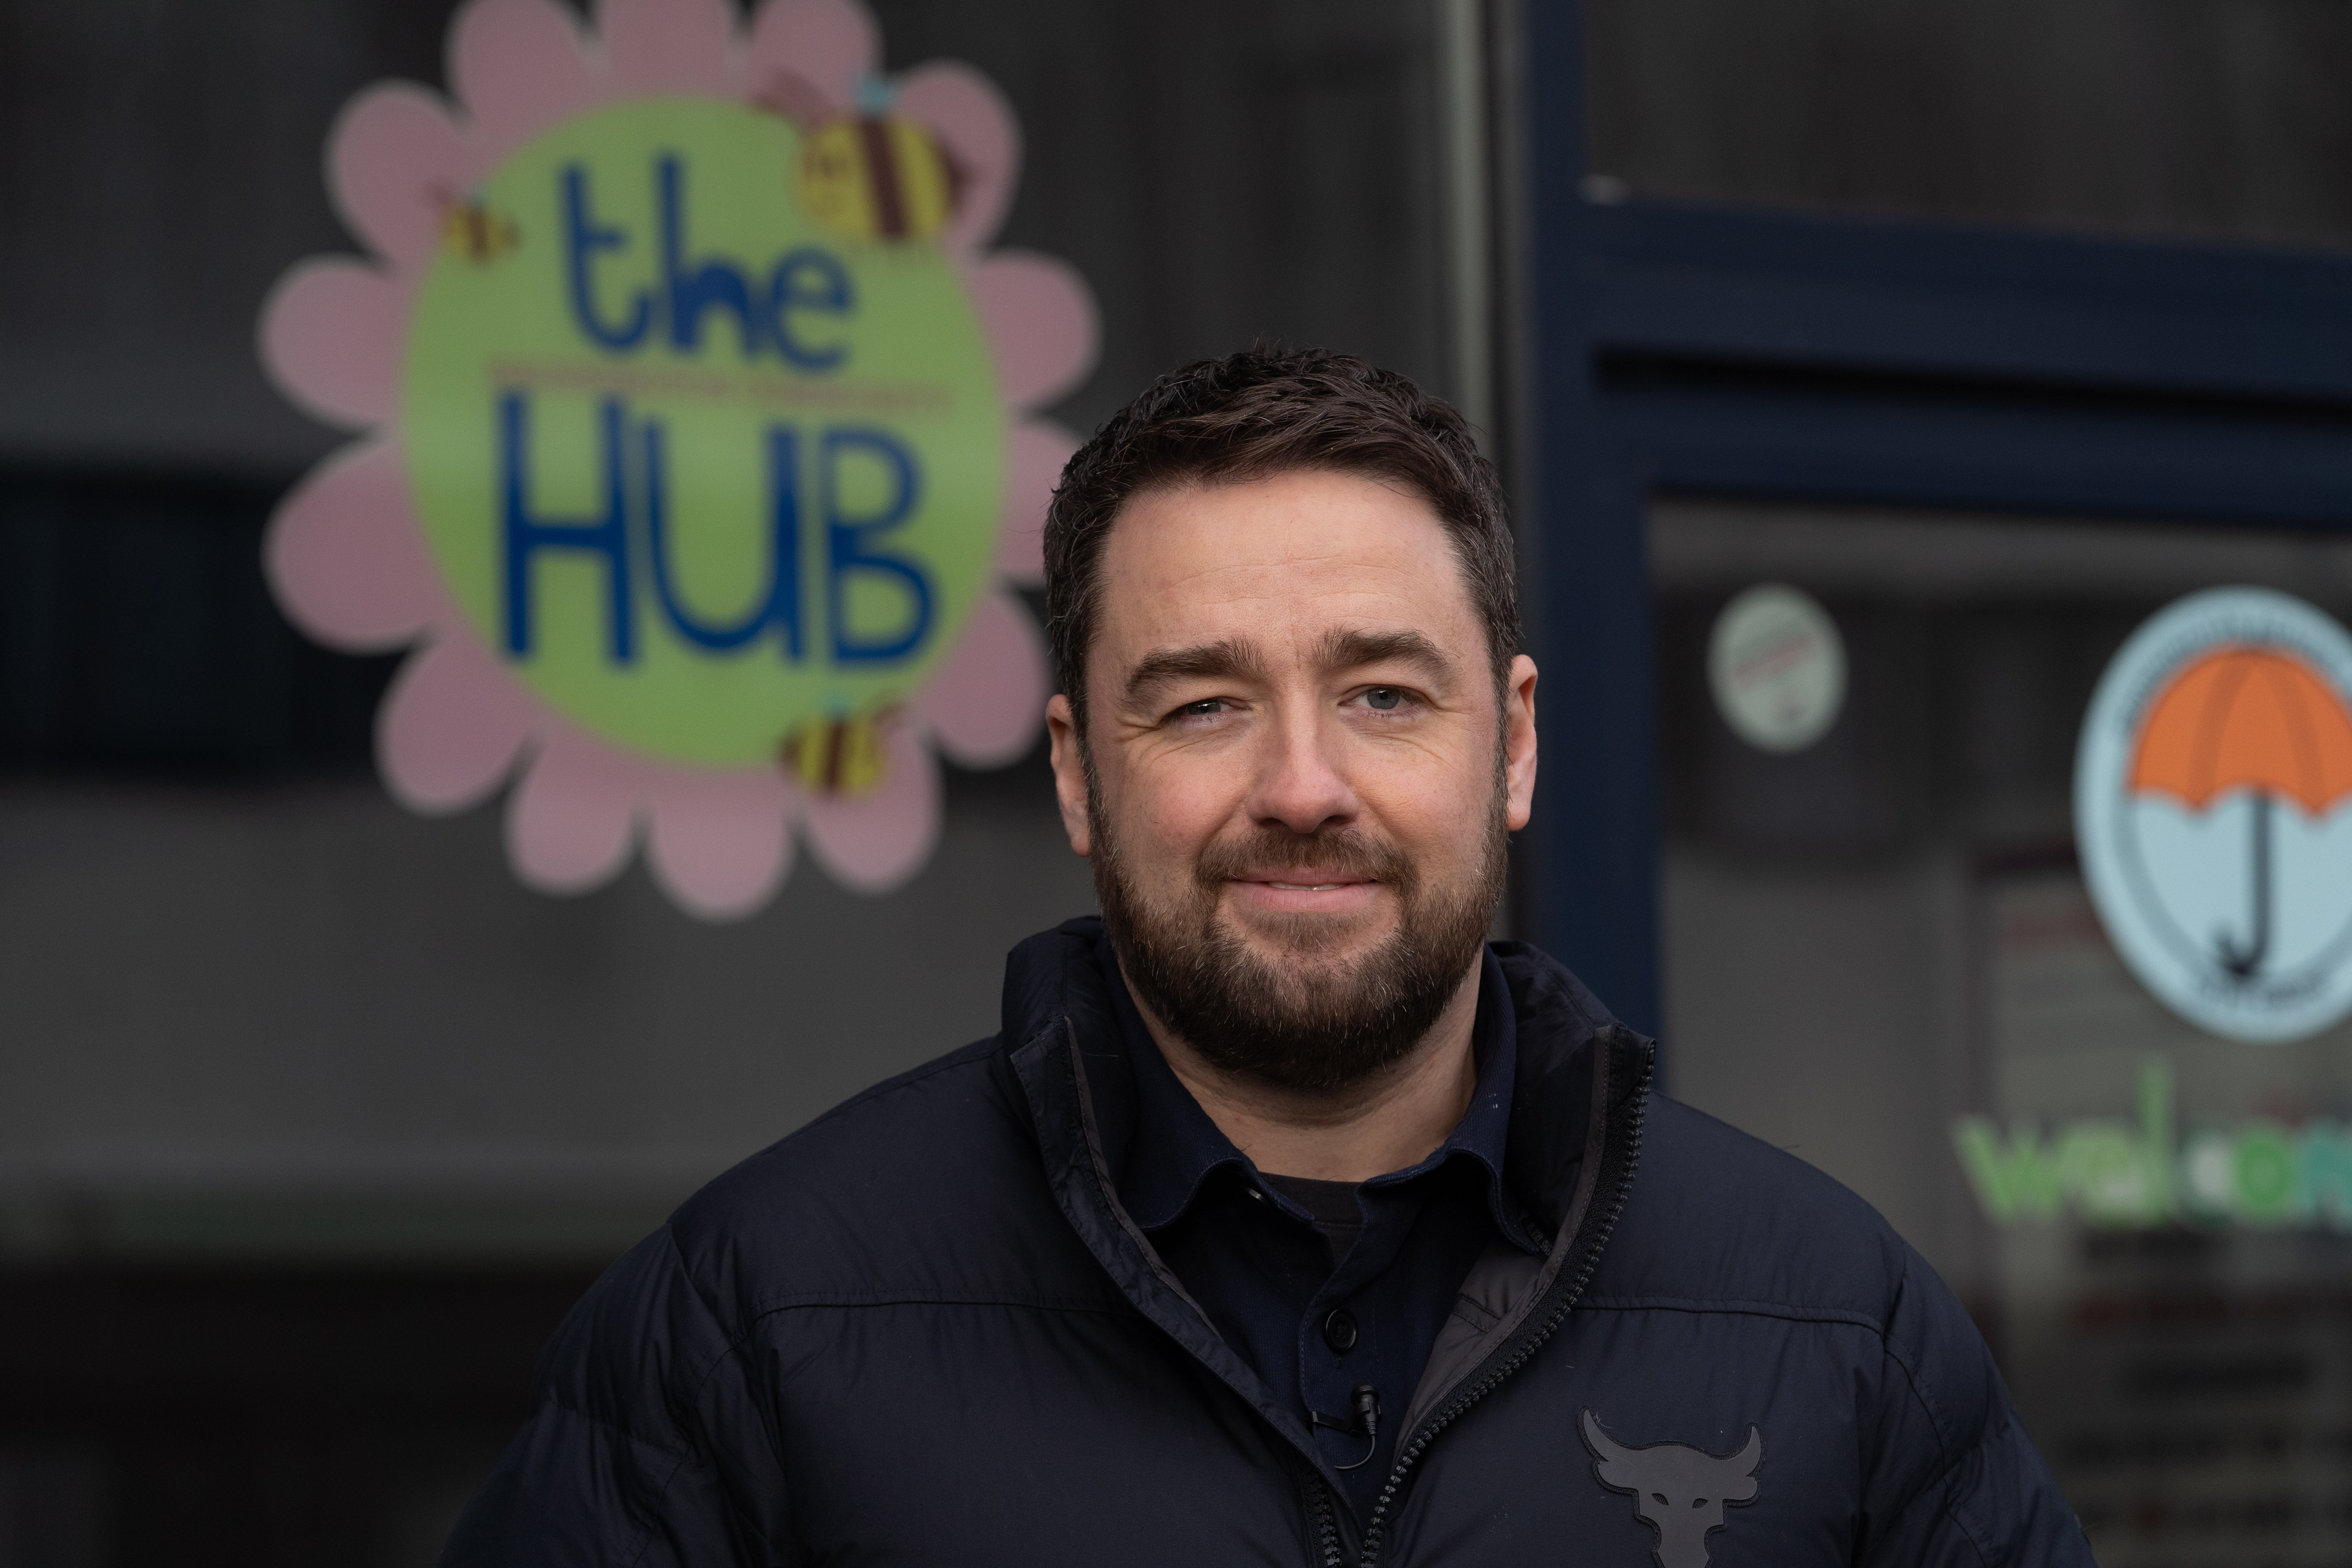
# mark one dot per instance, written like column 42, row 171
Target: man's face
column 1300, row 771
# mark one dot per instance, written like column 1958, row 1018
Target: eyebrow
column 1354, row 649
column 1231, row 658
column 1217, row 661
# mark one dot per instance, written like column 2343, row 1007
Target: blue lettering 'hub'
column 634, row 526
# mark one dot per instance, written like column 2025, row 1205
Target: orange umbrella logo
column 2253, row 718
column 2223, row 709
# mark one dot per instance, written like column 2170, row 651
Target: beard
column 1293, row 1017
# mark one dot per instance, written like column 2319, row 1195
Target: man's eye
column 1207, row 708
column 1384, row 698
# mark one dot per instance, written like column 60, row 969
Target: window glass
column 2153, row 116
column 253, row 1005
column 1882, row 953
column 306, row 1093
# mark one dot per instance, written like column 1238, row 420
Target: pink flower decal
column 526, row 519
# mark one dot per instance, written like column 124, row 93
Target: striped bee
column 472, row 230
column 846, row 756
column 877, row 177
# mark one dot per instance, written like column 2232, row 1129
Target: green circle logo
column 703, row 470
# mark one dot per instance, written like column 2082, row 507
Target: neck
column 1387, row 1122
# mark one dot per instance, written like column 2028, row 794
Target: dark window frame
column 1787, row 356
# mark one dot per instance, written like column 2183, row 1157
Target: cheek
column 1174, row 805
column 1180, row 821
column 1438, row 810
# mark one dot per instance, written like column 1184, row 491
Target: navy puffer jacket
column 922, row 1331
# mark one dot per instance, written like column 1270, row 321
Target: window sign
column 2171, row 1234
column 1777, row 667
column 2213, row 812
column 699, row 463
column 2213, row 821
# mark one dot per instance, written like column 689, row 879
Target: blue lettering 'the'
column 697, row 288
column 583, row 238
column 527, row 533
column 786, row 313
column 850, row 547
column 807, row 279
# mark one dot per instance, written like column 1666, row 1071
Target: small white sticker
column 1777, row 665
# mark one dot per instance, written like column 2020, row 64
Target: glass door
column 2070, row 1013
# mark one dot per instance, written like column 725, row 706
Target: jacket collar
column 1569, row 1159
column 1176, row 1147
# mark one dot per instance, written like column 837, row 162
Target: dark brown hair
column 1256, row 414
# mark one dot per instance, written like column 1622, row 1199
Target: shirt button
column 1340, row 1330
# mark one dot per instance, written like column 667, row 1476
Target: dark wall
column 2158, row 116
column 259, row 1418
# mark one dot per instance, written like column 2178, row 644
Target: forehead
column 1289, row 556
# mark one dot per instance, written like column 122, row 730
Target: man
column 1287, row 1221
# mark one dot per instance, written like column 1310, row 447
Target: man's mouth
column 1334, row 893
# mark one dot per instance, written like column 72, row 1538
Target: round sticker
column 704, row 458
column 2213, row 812
column 1777, row 667
column 699, row 508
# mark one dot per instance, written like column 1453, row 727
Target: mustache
column 1271, row 847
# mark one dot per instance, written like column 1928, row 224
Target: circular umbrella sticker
column 700, row 461
column 2213, row 812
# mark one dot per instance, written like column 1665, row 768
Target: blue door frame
column 1791, row 356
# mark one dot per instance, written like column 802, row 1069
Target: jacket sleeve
column 1952, row 1478
column 646, row 1447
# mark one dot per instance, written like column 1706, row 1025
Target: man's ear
column 1070, row 773
column 1519, row 743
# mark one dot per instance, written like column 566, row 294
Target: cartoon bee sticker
column 875, row 177
column 865, row 173
column 845, row 757
column 471, row 230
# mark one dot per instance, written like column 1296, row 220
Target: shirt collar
column 1177, row 1148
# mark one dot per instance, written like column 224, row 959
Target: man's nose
column 1302, row 783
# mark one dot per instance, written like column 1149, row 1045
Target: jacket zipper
column 1327, row 1525
column 1519, row 1358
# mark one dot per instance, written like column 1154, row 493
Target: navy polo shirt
column 1320, row 1285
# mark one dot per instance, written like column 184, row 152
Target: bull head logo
column 1679, row 1491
